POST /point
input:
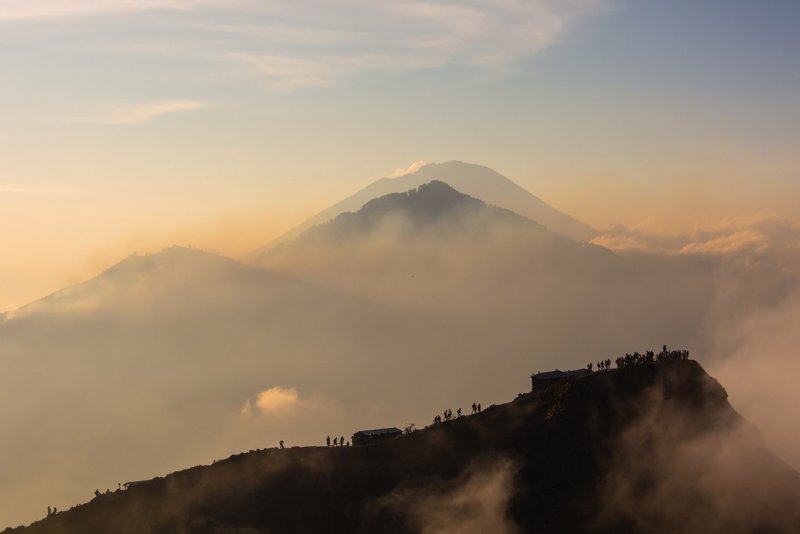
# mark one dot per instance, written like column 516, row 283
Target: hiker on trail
column 479, row 407
column 459, row 412
column 335, row 441
column 474, row 408
column 341, row 441
column 97, row 493
column 281, row 444
column 49, row 511
column 590, row 367
column 328, row 441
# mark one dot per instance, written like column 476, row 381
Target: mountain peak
column 433, row 204
column 171, row 265
column 429, row 200
column 474, row 180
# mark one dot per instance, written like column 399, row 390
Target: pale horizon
column 243, row 229
column 130, row 126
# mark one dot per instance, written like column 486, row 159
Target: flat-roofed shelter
column 365, row 437
column 542, row 380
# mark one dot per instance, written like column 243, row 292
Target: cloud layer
column 24, row 9
column 309, row 43
column 752, row 237
column 141, row 113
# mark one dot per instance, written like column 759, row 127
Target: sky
column 127, row 126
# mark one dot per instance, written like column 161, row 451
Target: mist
column 473, row 503
column 689, row 464
column 183, row 357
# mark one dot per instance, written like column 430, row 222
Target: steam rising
column 675, row 471
column 474, row 503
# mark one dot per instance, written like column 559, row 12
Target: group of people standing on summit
column 448, row 413
column 337, row 442
column 648, row 357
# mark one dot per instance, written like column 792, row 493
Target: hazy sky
column 131, row 124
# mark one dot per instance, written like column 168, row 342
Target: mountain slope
column 649, row 448
column 427, row 249
column 474, row 180
column 143, row 276
column 163, row 359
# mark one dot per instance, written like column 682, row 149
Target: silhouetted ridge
column 434, row 205
column 171, row 257
column 562, row 459
column 171, row 267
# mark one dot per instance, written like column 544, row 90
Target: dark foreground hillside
column 649, row 448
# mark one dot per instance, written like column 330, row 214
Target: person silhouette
column 49, row 511
column 479, row 407
column 280, row 444
column 335, row 441
column 341, row 441
column 328, row 441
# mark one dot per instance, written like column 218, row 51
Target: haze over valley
column 182, row 356
column 234, row 226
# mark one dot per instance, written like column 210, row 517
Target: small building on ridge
column 540, row 381
column 365, row 437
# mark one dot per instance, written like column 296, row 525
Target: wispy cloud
column 312, row 43
column 411, row 169
column 140, row 113
column 39, row 9
column 744, row 237
column 277, row 401
column 318, row 45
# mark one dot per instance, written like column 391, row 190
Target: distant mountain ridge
column 431, row 204
column 176, row 264
column 474, row 180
